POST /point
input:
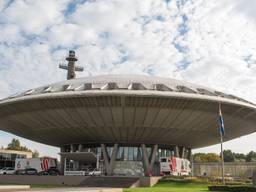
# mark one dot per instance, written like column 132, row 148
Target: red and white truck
column 40, row 164
column 174, row 166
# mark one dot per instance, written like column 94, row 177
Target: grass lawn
column 173, row 186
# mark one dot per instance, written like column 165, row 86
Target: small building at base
column 8, row 157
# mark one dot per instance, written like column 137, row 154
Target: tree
column 239, row 157
column 14, row 145
column 197, row 157
column 35, row 154
column 206, row 157
column 228, row 156
column 251, row 156
column 213, row 157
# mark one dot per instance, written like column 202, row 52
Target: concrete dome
column 125, row 109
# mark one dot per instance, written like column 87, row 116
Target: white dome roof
column 126, row 82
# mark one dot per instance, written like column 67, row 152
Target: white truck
column 174, row 166
column 40, row 164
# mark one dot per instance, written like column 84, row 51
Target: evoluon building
column 124, row 123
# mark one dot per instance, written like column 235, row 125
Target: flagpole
column 222, row 156
column 222, row 161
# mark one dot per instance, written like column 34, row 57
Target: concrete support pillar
column 109, row 162
column 80, row 147
column 145, row 160
column 189, row 154
column 113, row 159
column 148, row 164
column 183, row 152
column 186, row 153
column 176, row 151
column 190, row 157
column 105, row 155
column 153, row 157
column 72, row 148
column 62, row 161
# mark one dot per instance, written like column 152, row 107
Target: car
column 7, row 171
column 88, row 170
column 20, row 172
column 30, row 171
column 51, row 171
column 95, row 172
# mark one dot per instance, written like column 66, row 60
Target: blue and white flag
column 221, row 123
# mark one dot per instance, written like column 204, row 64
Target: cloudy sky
column 208, row 42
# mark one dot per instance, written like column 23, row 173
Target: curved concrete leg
column 148, row 164
column 109, row 162
column 183, row 152
column 176, row 151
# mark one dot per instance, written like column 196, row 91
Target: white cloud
column 68, row 34
column 10, row 34
column 246, row 7
column 4, row 89
column 212, row 43
column 21, row 66
column 219, row 40
column 143, row 34
column 34, row 16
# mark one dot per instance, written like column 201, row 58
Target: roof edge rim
column 130, row 93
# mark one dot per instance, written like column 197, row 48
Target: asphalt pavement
column 74, row 189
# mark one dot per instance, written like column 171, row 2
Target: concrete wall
column 239, row 169
column 104, row 181
column 148, row 181
column 118, row 182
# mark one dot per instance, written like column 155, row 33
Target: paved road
column 74, row 189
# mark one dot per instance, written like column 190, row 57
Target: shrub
column 229, row 188
column 218, row 188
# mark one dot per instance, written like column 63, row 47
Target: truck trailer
column 174, row 166
column 40, row 164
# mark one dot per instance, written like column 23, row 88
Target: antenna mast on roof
column 71, row 67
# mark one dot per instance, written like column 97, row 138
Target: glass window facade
column 8, row 159
column 129, row 154
column 129, row 159
column 125, row 153
column 10, row 156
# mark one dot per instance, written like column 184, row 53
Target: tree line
column 229, row 156
column 15, row 145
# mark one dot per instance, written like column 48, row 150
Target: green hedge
column 228, row 188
